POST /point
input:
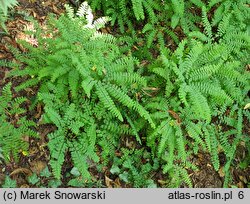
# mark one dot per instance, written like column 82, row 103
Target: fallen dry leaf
column 117, row 183
column 175, row 116
column 39, row 111
column 38, row 166
column 240, row 184
column 26, row 171
column 243, row 178
column 108, row 182
column 221, row 172
column 25, row 186
column 247, row 106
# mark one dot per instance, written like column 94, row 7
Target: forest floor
column 38, row 156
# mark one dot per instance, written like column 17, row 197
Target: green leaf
column 115, row 170
column 33, row 179
column 74, row 171
column 87, row 85
column 124, row 176
column 45, row 172
column 54, row 183
column 53, row 116
column 9, row 183
column 76, row 182
column 175, row 20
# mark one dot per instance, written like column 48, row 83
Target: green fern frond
column 57, row 147
column 170, row 157
column 199, row 35
column 79, row 158
column 207, row 25
column 203, row 72
column 53, row 116
column 180, row 142
column 134, row 130
column 185, row 177
column 166, row 132
column 214, row 149
column 224, row 25
column 127, row 78
column 199, row 104
column 7, row 4
column 88, row 84
column 107, row 101
column 138, row 9
column 195, row 132
column 73, row 80
column 198, row 3
column 212, row 3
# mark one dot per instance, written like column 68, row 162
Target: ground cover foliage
column 173, row 79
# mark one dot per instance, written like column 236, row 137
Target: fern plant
column 88, row 88
column 83, row 59
column 4, row 6
column 169, row 141
column 228, row 31
column 195, row 85
column 238, row 9
column 14, row 126
column 185, row 16
column 133, row 170
column 84, row 127
column 120, row 11
column 93, row 90
column 69, row 136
